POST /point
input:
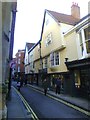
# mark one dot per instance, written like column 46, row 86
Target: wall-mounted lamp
column 66, row 59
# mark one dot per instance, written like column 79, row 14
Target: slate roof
column 30, row 45
column 63, row 18
column 22, row 50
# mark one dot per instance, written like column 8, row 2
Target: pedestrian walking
column 18, row 83
column 45, row 86
column 58, row 85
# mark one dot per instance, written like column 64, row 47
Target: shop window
column 77, row 79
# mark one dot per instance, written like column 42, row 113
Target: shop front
column 52, row 78
column 81, row 76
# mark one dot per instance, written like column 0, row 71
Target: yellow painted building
column 50, row 57
column 54, row 46
column 79, row 65
column 60, row 47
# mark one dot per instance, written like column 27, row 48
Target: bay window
column 87, row 38
column 81, row 43
column 84, row 37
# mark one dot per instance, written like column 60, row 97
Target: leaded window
column 57, row 58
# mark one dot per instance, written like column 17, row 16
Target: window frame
column 87, row 38
column 83, row 45
column 48, row 39
column 53, row 59
column 57, row 59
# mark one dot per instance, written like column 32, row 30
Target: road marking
column 33, row 115
column 64, row 102
column 70, row 105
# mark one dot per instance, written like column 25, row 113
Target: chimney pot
column 75, row 10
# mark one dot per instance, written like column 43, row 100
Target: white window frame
column 88, row 38
column 48, row 39
column 53, row 59
column 57, row 59
column 83, row 44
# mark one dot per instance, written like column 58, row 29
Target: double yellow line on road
column 64, row 102
column 33, row 115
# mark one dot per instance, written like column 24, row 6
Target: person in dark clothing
column 21, row 83
column 26, row 80
column 58, row 85
column 18, row 86
column 18, row 83
column 45, row 86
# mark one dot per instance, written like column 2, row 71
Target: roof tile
column 64, row 18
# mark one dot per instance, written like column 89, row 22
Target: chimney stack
column 75, row 10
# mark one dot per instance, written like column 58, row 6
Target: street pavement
column 16, row 108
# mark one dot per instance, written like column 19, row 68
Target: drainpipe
column 41, row 57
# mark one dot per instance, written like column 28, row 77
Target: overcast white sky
column 30, row 14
